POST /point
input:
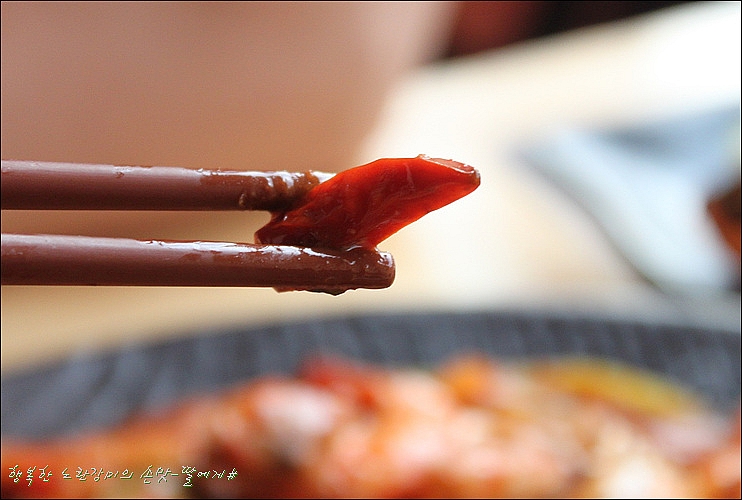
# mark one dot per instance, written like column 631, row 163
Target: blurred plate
column 92, row 391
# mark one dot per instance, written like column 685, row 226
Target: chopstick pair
column 82, row 260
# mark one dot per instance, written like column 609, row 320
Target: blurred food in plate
column 472, row 427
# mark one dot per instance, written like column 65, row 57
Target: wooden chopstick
column 32, row 185
column 82, row 260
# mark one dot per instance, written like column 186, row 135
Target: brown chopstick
column 33, row 185
column 82, row 260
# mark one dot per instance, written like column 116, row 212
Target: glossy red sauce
column 363, row 206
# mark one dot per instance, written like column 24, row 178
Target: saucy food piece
column 724, row 208
column 363, row 206
column 473, row 427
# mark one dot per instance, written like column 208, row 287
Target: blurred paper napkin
column 648, row 187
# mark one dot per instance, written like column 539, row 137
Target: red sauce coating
column 363, row 206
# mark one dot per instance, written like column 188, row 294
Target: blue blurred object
column 648, row 188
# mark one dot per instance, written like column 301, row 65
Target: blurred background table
column 516, row 243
